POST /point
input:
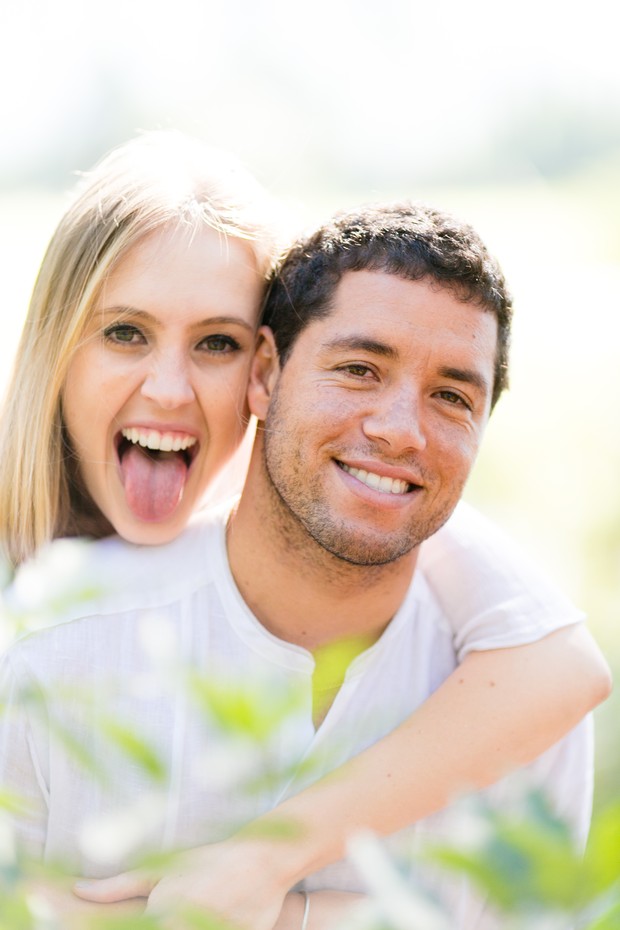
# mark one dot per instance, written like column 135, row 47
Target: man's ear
column 264, row 373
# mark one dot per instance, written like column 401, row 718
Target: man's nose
column 397, row 421
column 168, row 381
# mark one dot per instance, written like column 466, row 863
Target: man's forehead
column 367, row 305
column 397, row 319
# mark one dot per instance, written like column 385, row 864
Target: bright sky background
column 361, row 86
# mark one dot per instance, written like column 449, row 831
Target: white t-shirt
column 492, row 593
column 117, row 749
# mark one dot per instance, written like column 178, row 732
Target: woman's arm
column 497, row 711
column 240, row 902
column 325, row 909
column 71, row 912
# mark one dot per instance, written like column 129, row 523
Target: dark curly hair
column 410, row 240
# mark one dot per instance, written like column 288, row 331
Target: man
column 390, row 349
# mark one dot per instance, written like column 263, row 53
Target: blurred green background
column 506, row 114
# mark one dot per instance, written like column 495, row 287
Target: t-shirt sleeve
column 23, row 790
column 491, row 593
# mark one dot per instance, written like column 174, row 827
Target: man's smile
column 382, row 483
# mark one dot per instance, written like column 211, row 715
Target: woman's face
column 155, row 396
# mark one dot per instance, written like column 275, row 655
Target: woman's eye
column 219, row 344
column 123, row 334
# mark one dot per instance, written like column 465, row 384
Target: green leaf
column 249, row 710
column 13, row 803
column 609, row 921
column 523, row 865
column 15, row 914
column 77, row 750
column 134, row 747
column 602, row 858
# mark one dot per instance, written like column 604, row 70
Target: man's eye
column 453, row 398
column 358, row 370
column 219, row 344
column 123, row 334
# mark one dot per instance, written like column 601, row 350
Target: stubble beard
column 302, row 517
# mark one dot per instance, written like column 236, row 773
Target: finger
column 118, row 888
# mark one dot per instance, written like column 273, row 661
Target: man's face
column 378, row 414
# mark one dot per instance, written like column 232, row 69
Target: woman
column 151, row 203
column 150, row 294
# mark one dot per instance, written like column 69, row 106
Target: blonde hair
column 158, row 179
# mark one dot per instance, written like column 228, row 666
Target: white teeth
column 158, row 442
column 378, row 482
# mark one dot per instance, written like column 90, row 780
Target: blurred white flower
column 60, row 575
column 159, row 639
column 45, row 915
column 109, row 838
column 230, row 764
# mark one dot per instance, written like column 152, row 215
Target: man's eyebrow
column 363, row 344
column 467, row 376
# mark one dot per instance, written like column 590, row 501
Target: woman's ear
column 264, row 373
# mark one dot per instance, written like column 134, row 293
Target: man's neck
column 300, row 592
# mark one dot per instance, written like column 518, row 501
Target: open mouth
column 155, row 444
column 381, row 483
column 154, row 466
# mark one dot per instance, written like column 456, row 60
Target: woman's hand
column 240, row 880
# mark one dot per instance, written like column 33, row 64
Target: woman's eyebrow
column 227, row 320
column 136, row 313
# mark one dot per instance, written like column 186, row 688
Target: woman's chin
column 152, row 532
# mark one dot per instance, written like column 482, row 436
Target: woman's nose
column 168, row 381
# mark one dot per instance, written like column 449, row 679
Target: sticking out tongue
column 153, row 482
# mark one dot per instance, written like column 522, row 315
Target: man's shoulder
column 472, row 548
column 491, row 590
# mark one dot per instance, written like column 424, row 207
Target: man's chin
column 364, row 551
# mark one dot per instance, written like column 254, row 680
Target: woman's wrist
column 262, row 852
column 277, row 857
column 296, row 838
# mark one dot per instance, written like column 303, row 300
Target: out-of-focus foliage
column 525, row 867
column 523, row 861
